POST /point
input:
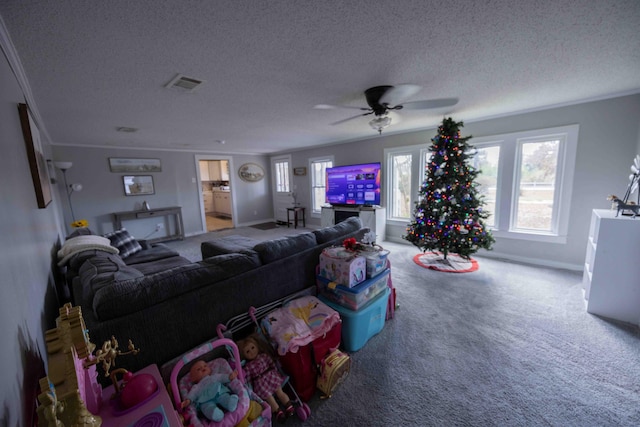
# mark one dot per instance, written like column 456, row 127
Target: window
column 487, row 160
column 400, row 185
column 281, row 172
column 534, row 200
column 318, row 171
column 526, row 181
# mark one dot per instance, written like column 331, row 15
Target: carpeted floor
column 507, row 345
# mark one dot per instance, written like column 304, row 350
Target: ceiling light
column 380, row 122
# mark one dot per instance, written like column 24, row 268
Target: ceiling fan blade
column 430, row 103
column 350, row 118
column 399, row 93
column 333, row 107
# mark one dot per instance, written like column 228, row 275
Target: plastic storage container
column 376, row 261
column 359, row 326
column 358, row 296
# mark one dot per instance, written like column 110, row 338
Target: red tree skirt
column 453, row 264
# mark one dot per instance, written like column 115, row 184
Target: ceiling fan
column 382, row 99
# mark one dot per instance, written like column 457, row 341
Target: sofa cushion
column 343, row 228
column 102, row 271
column 153, row 252
column 228, row 245
column 125, row 242
column 156, row 266
column 273, row 250
column 128, row 296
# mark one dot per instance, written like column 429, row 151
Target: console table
column 174, row 211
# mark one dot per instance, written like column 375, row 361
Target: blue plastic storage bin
column 357, row 297
column 359, row 326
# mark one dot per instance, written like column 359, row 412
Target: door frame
column 232, row 183
column 281, row 200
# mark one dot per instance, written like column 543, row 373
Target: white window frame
column 274, row 162
column 417, row 169
column 316, row 213
column 508, row 181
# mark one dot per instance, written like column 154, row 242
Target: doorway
column 216, row 201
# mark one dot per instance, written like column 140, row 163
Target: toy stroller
column 251, row 411
column 248, row 322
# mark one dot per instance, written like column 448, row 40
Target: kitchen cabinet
column 222, row 202
column 204, row 170
column 224, row 170
column 214, row 170
column 207, row 197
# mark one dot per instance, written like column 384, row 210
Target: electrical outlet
column 159, row 226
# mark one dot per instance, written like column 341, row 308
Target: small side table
column 295, row 210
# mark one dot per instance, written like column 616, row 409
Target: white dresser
column 611, row 279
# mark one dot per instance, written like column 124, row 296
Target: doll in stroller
column 249, row 411
column 261, row 371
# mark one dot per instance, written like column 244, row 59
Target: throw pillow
column 125, row 242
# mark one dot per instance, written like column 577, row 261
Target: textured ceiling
column 94, row 66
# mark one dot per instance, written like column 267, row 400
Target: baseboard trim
column 525, row 260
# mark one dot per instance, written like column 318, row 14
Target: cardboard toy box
column 360, row 326
column 353, row 298
column 341, row 266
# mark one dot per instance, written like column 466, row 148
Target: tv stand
column 373, row 217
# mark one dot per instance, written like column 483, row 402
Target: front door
column 281, row 173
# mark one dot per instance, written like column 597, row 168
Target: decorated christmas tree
column 448, row 218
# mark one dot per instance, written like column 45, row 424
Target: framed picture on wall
column 251, row 172
column 37, row 162
column 132, row 165
column 138, row 185
column 300, row 171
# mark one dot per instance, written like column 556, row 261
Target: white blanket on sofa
column 84, row 243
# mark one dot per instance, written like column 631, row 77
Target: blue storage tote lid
column 356, row 297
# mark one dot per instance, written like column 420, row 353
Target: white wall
column 175, row 185
column 29, row 239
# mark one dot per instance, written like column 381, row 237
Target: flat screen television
column 354, row 185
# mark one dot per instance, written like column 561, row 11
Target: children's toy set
column 303, row 330
column 342, row 266
column 246, row 409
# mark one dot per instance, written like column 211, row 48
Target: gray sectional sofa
column 167, row 305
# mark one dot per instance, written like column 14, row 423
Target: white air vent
column 188, row 84
column 126, row 129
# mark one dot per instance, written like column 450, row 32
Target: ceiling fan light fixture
column 380, row 122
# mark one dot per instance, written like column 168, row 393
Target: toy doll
column 209, row 393
column 260, row 369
